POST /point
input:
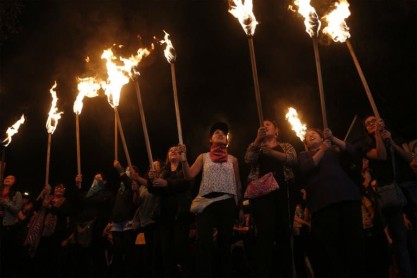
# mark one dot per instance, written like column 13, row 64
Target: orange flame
column 53, row 115
column 119, row 71
column 296, row 125
column 116, row 80
column 337, row 28
column 242, row 10
column 130, row 64
column 311, row 19
column 87, row 87
column 13, row 130
column 169, row 49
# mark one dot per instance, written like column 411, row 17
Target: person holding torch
column 220, row 190
column 270, row 209
column 334, row 202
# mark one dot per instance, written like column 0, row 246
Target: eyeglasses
column 370, row 122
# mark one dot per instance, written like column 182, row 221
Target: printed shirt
column 217, row 177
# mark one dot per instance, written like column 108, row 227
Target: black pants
column 338, row 241
column 273, row 255
column 219, row 215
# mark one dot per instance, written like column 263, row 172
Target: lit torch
column 131, row 67
column 10, row 132
column 51, row 124
column 296, row 125
column 117, row 78
column 338, row 31
column 13, row 130
column 87, row 87
column 313, row 24
column 171, row 56
column 242, row 10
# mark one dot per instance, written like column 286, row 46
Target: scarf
column 96, row 187
column 218, row 153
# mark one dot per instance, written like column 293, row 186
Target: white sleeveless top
column 217, row 177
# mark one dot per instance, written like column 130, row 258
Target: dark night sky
column 213, row 75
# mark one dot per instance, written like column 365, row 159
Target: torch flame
column 337, row 28
column 53, row 115
column 296, row 125
column 87, row 87
column 311, row 19
column 242, row 10
column 169, row 49
column 13, row 130
column 116, row 80
column 120, row 73
column 130, row 64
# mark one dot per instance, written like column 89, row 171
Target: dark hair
column 319, row 131
column 221, row 126
column 274, row 122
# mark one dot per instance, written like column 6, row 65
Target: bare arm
column 194, row 170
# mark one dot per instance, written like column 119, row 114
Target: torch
column 51, row 124
column 116, row 80
column 10, row 132
column 130, row 66
column 338, row 31
column 313, row 24
column 242, row 10
column 296, row 125
column 87, row 87
column 170, row 55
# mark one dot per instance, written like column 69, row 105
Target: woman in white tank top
column 221, row 183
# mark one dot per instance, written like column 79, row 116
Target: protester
column 271, row 212
column 334, row 202
column 10, row 205
column 221, row 184
column 120, row 224
column 174, row 219
column 47, row 230
column 86, row 243
column 389, row 162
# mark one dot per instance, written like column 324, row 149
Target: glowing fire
column 119, row 71
column 242, row 10
column 169, row 49
column 116, row 80
column 311, row 19
column 130, row 64
column 87, row 87
column 336, row 27
column 296, row 125
column 13, row 130
column 54, row 115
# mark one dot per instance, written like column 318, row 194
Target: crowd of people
column 318, row 213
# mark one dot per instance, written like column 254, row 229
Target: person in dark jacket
column 93, row 206
column 334, row 202
column 173, row 222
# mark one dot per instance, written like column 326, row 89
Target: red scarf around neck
column 218, row 153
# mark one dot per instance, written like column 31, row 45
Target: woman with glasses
column 389, row 160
